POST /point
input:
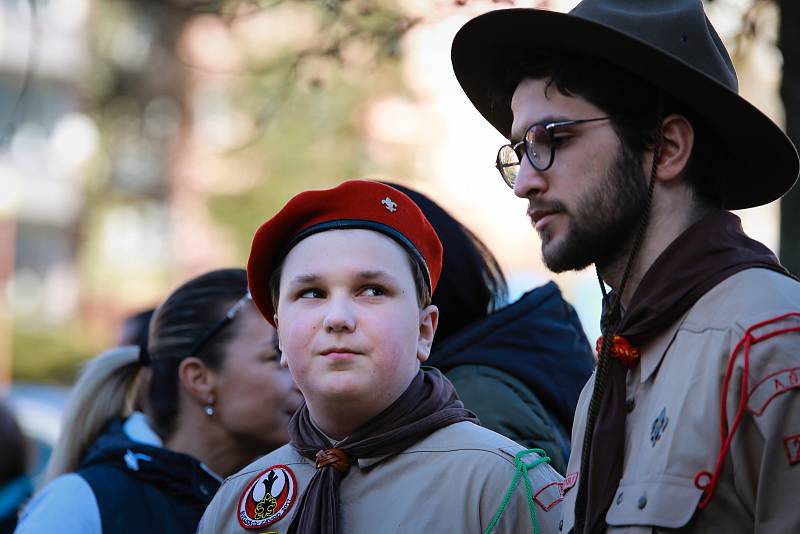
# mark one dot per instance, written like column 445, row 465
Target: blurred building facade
column 145, row 143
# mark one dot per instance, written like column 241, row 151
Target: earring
column 209, row 409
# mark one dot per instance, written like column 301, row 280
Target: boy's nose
column 339, row 317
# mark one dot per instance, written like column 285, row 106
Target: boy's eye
column 373, row 291
column 311, row 293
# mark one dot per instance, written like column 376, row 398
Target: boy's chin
column 344, row 386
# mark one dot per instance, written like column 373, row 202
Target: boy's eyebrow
column 362, row 275
column 305, row 279
column 372, row 275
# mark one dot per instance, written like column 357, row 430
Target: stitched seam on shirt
column 442, row 451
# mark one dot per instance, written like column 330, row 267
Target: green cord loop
column 521, row 467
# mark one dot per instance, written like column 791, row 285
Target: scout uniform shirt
column 452, row 481
column 675, row 407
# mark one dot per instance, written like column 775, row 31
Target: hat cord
column 609, row 324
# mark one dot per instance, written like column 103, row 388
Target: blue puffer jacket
column 141, row 488
column 521, row 370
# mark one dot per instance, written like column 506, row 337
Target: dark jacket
column 12, row 495
column 141, row 488
column 521, row 370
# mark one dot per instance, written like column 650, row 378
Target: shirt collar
column 654, row 350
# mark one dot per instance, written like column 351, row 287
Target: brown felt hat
column 669, row 43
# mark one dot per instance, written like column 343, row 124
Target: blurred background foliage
column 180, row 125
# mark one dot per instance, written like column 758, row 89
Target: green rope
column 521, row 467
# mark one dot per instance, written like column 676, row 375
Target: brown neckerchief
column 708, row 252
column 428, row 404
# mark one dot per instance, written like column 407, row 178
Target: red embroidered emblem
column 569, row 482
column 268, row 498
column 553, row 493
column 549, row 495
column 770, row 387
column 621, row 349
column 792, row 445
column 707, row 480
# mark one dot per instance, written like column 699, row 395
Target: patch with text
column 770, row 387
column 268, row 498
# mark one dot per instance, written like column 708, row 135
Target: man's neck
column 670, row 216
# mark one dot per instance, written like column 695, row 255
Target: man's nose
column 530, row 182
column 339, row 316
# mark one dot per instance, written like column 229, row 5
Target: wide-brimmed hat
column 353, row 204
column 669, row 43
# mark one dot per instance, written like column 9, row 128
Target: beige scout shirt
column 672, row 430
column 453, row 481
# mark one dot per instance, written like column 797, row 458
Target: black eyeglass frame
column 550, row 129
column 232, row 312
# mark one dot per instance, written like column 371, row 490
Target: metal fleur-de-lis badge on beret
column 390, row 204
column 659, row 425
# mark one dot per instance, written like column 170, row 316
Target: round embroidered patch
column 268, row 498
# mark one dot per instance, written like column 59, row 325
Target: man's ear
column 428, row 321
column 676, row 147
column 198, row 379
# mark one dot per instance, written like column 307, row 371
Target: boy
column 381, row 445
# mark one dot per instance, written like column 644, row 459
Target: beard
column 604, row 220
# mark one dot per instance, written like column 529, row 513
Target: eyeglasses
column 229, row 316
column 539, row 144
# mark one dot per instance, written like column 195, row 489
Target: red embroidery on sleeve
column 770, row 387
column 553, row 494
column 705, row 480
column 792, row 445
column 569, row 481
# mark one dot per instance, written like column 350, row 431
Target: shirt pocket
column 659, row 501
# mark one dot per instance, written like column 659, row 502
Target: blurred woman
column 519, row 367
column 217, row 398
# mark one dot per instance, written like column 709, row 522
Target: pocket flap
column 662, row 501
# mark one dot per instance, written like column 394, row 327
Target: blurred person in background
column 217, row 399
column 135, row 331
column 136, row 328
column 15, row 485
column 519, row 367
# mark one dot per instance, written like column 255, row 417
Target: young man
column 381, row 445
column 630, row 142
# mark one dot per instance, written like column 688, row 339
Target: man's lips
column 541, row 217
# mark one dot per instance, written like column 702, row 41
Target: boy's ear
column 198, row 380
column 428, row 321
column 284, row 361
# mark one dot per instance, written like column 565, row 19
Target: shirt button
column 561, row 525
column 630, row 404
column 619, row 498
column 642, row 502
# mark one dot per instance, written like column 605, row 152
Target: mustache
column 547, row 206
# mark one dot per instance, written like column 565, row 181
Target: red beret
column 362, row 204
